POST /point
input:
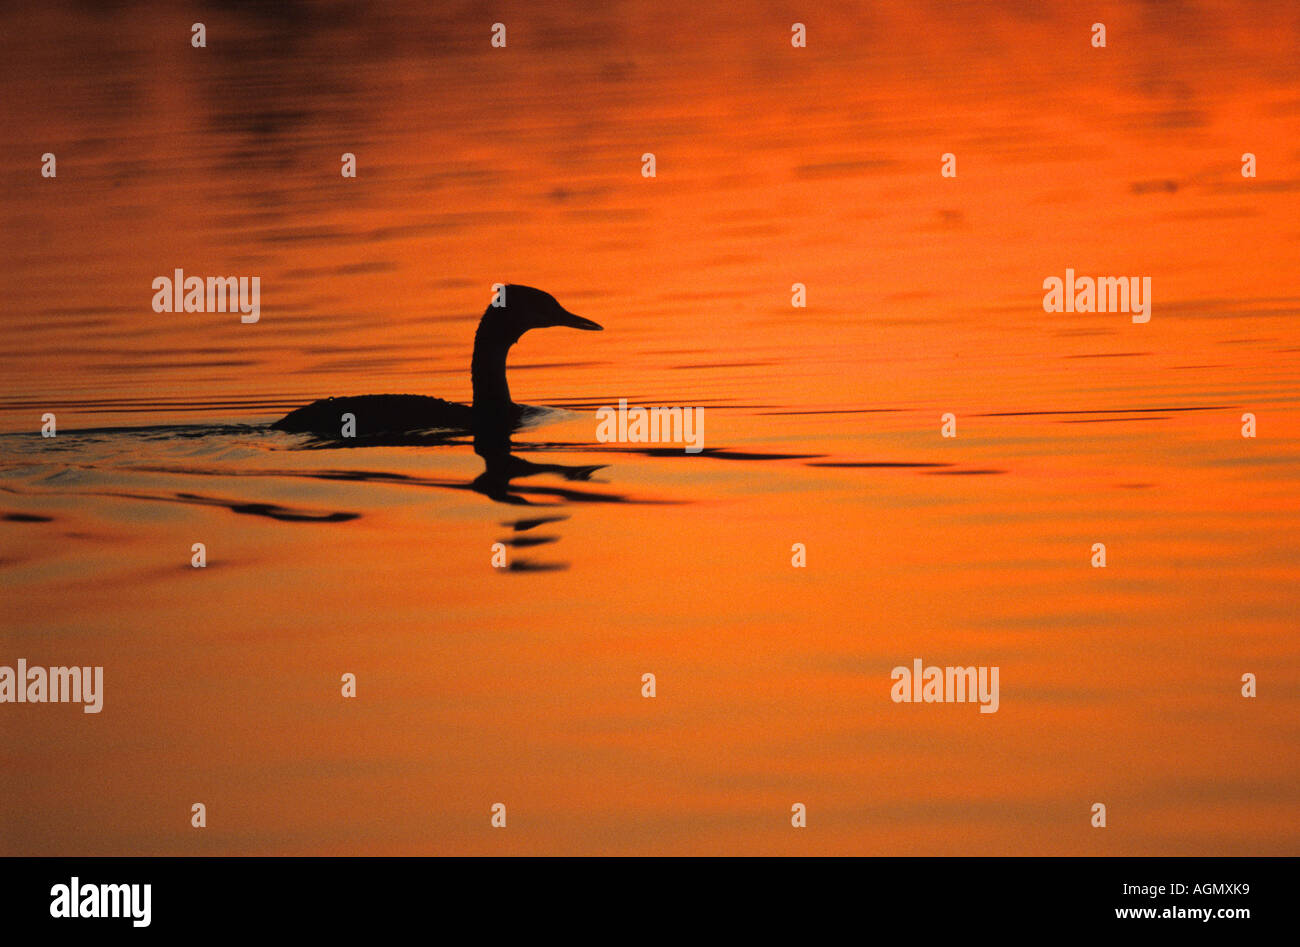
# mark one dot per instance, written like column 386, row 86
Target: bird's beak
column 567, row 318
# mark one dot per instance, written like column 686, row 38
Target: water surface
column 775, row 166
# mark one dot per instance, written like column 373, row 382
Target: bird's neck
column 488, row 369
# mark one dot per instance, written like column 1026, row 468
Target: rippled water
column 774, row 166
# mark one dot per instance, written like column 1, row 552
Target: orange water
column 775, row 165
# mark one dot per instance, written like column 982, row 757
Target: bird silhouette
column 491, row 415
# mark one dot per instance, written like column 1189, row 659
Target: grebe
column 492, row 411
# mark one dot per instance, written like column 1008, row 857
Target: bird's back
column 376, row 414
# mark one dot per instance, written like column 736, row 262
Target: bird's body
column 386, row 414
column 522, row 308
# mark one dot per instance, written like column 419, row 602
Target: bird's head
column 527, row 308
